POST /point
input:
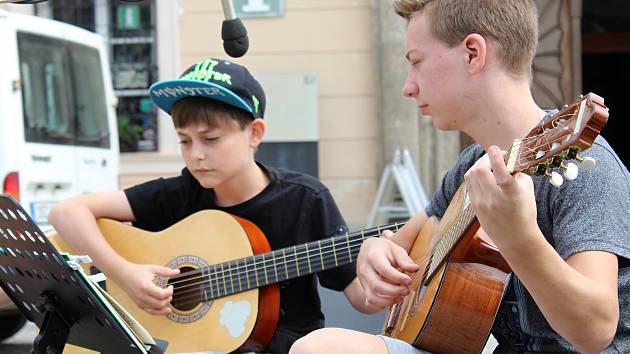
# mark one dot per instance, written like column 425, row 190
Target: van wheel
column 10, row 325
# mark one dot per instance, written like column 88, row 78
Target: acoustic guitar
column 456, row 295
column 226, row 298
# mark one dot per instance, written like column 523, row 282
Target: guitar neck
column 243, row 274
column 448, row 240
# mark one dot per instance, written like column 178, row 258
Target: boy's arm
column 75, row 221
column 355, row 294
column 578, row 297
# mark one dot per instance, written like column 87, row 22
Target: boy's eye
column 211, row 138
column 182, row 141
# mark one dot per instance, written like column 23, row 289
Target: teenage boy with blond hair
column 470, row 70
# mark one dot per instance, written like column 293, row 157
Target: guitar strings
column 295, row 256
column 346, row 245
column 289, row 260
column 344, row 240
column 555, row 122
column 223, row 288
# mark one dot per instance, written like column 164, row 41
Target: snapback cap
column 216, row 79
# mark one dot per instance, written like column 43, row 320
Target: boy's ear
column 257, row 131
column 476, row 52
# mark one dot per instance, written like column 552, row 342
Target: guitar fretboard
column 243, row 274
column 447, row 242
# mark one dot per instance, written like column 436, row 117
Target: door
column 605, row 58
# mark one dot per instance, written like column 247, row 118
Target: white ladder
column 400, row 193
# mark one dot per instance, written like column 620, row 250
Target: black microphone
column 233, row 32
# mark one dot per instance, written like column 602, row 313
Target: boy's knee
column 309, row 344
column 299, row 346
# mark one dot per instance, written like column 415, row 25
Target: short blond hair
column 511, row 24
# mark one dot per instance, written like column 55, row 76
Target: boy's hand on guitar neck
column 504, row 203
column 380, row 268
column 138, row 281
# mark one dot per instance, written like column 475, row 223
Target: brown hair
column 194, row 110
column 511, row 24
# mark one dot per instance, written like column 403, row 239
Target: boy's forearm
column 577, row 306
column 356, row 296
column 406, row 236
column 76, row 225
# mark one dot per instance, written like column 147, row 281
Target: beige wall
column 17, row 8
column 331, row 39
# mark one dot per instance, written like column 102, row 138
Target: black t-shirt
column 293, row 209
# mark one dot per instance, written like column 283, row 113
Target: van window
column 63, row 92
column 46, row 112
column 89, row 96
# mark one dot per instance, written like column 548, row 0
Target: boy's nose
column 198, row 153
column 410, row 89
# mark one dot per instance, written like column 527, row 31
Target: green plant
column 128, row 134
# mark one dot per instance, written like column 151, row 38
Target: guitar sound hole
column 186, row 289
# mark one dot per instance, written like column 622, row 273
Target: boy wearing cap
column 217, row 108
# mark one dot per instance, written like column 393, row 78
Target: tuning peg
column 546, row 170
column 538, row 170
column 570, row 171
column 555, row 179
column 587, row 163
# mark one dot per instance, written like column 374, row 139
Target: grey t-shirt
column 590, row 213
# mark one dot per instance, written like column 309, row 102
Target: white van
column 58, row 133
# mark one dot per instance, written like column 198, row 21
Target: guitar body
column 243, row 321
column 454, row 311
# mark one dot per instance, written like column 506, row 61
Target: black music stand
column 53, row 295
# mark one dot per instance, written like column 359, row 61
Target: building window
column 133, row 57
column 131, row 33
column 77, row 12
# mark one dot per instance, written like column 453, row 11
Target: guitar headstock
column 558, row 139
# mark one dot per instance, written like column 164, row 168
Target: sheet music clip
column 83, row 259
column 75, row 261
column 52, row 291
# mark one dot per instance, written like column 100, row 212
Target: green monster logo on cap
column 204, row 71
column 256, row 103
